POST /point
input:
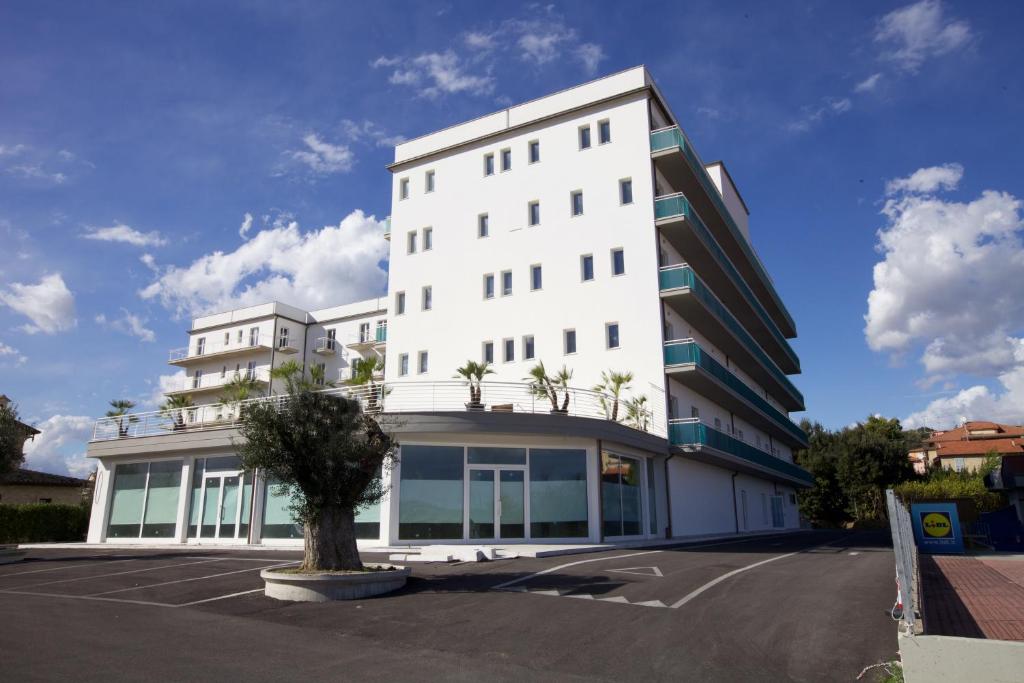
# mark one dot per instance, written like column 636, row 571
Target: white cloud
column 542, row 43
column 976, row 403
column 126, row 235
column 60, row 448
column 322, row 157
column 590, row 55
column 369, row 132
column 434, row 74
column 927, row 180
column 9, row 353
column 915, row 33
column 37, row 172
column 479, row 40
column 246, row 226
column 868, row 84
column 310, row 269
column 164, row 383
column 49, row 304
column 829, row 106
column 129, row 324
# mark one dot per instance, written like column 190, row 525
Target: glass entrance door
column 497, row 507
column 221, row 507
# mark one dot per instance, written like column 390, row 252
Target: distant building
column 967, row 446
column 22, row 486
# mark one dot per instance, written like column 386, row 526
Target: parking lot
column 808, row 606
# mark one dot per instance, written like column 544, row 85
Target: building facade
column 580, row 230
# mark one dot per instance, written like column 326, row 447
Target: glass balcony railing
column 668, row 138
column 387, row 226
column 677, row 205
column 674, row 277
column 382, row 333
column 688, row 351
column 694, row 433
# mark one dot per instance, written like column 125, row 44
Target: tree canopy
column 12, row 438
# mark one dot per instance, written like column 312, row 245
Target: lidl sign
column 937, row 528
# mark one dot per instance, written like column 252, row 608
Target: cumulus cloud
column 49, row 304
column 60, row 448
column 322, row 157
column 868, row 84
column 977, row 402
column 915, row 33
column 927, row 180
column 126, row 235
column 164, row 383
column 129, row 324
column 310, row 269
column 246, row 226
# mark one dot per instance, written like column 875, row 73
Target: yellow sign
column 937, row 525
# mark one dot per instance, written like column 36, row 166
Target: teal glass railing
column 677, row 205
column 697, row 433
column 669, row 138
column 382, row 333
column 675, row 277
column 685, row 352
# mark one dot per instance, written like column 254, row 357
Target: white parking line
column 130, row 571
column 220, row 597
column 194, row 578
column 54, row 569
column 723, row 577
column 86, row 597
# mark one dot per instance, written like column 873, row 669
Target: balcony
column 382, row 332
column 694, row 301
column 325, row 346
column 679, row 164
column 191, row 386
column 682, row 227
column 286, row 345
column 707, row 444
column 387, row 228
column 197, row 353
column 692, row 366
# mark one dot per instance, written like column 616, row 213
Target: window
column 604, row 132
column 223, row 372
column 428, row 298
column 423, row 362
column 534, row 146
column 959, row 464
column 618, row 262
column 489, row 286
column 586, row 267
column 739, row 434
column 227, row 338
column 533, row 213
column 695, row 412
column 621, row 495
column 403, row 188
column 240, row 333
column 200, row 346
column 584, row 137
column 558, row 493
column 508, row 350
column 577, row 202
column 428, row 239
column 488, row 353
column 197, row 379
column 403, row 364
column 410, row 242
column 282, row 338
column 673, row 406
column 506, row 283
column 254, row 336
column 144, row 502
column 400, row 303
column 570, row 341
column 364, row 333
column 612, row 335
column 488, row 164
column 506, row 160
column 319, row 374
column 431, row 492
column 718, row 423
column 250, row 370
column 528, row 348
column 626, row 191
column 428, row 181
column 483, row 227
column 535, row 277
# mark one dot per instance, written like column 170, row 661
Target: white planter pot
column 325, row 587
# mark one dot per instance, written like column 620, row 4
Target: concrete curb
column 10, row 554
column 326, row 587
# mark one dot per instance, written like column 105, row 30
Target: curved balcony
column 692, row 366
column 696, row 303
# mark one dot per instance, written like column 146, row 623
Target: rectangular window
column 558, row 493
column 250, row 370
column 428, row 239
column 489, row 286
column 431, row 492
column 410, row 242
column 282, row 338
column 145, row 500
column 528, row 348
column 483, row 225
column 536, row 279
column 240, row 333
column 254, row 336
column 488, row 164
column 403, row 188
column 428, row 298
column 506, row 160
column 626, row 191
column 570, row 341
column 364, row 332
column 604, row 132
column 534, row 146
column 227, row 338
column 424, row 363
column 577, row 202
column 586, row 267
column 319, row 374
column 695, row 412
column 612, row 334
column 403, row 364
column 488, row 353
column 223, row 372
column 506, row 283
column 197, row 379
column 618, row 262
column 399, row 303
column 584, row 137
column 428, row 181
column 533, row 213
column 200, row 346
column 508, row 350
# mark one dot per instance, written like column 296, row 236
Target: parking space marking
column 221, row 597
column 194, row 578
column 130, row 571
column 86, row 597
column 54, row 569
column 723, row 577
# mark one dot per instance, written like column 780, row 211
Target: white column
column 184, row 504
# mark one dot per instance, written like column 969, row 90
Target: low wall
column 934, row 659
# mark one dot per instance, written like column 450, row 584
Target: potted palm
column 119, row 411
column 364, row 374
column 611, row 385
column 547, row 386
column 240, row 388
column 177, row 406
column 474, row 374
column 638, row 414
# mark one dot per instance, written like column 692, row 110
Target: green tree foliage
column 946, row 484
column 328, row 454
column 12, row 438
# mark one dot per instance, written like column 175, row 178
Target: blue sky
column 135, row 139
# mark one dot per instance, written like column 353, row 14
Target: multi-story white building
column 580, row 230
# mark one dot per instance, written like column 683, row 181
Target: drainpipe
column 735, row 512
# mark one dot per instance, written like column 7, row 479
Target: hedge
column 951, row 488
column 43, row 523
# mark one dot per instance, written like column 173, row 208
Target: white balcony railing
column 398, row 397
column 214, row 380
column 210, row 349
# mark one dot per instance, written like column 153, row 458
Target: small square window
column 604, row 132
column 586, row 267
column 488, row 164
column 403, row 365
column 528, row 348
column 428, row 239
column 423, row 362
column 506, row 160
column 403, row 188
column 489, row 286
column 410, row 242
column 569, row 338
column 428, row 181
column 626, row 191
column 399, row 303
column 584, row 137
column 536, row 277
column 577, row 202
column 506, row 283
column 509, row 350
column 618, row 262
column 533, row 213
column 488, row 352
column 428, row 298
column 483, row 225
column 534, row 146
column 612, row 335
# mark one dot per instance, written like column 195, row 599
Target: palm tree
column 177, row 406
column 295, row 379
column 561, row 381
column 119, row 410
column 364, row 372
column 240, row 388
column 638, row 415
column 613, row 383
column 541, row 385
column 474, row 373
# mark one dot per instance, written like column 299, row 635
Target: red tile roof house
column 967, row 446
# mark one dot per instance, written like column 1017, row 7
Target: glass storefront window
column 495, row 456
column 431, row 493
column 621, row 495
column 136, row 511
column 162, row 499
column 126, row 505
column 277, row 515
column 558, row 493
column 651, row 507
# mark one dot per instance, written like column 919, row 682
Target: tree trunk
column 330, row 541
column 615, row 410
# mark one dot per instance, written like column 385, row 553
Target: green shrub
column 951, row 486
column 43, row 523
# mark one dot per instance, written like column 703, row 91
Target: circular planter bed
column 10, row 553
column 291, row 585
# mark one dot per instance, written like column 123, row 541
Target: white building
column 581, row 230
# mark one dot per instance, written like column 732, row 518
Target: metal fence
column 905, row 550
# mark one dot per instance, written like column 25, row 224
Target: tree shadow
column 944, row 613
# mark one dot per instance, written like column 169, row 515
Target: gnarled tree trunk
column 330, row 541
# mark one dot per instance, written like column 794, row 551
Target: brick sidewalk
column 973, row 597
